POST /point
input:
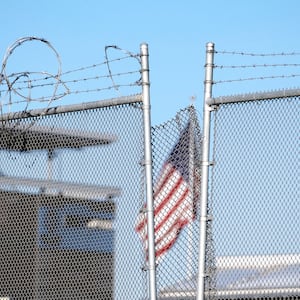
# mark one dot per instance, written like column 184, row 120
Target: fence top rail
column 258, row 96
column 72, row 107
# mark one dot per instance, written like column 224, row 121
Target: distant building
column 247, row 277
column 54, row 247
column 56, row 238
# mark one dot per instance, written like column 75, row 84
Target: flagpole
column 204, row 169
column 148, row 169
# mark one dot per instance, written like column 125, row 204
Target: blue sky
column 176, row 32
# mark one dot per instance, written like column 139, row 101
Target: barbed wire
column 257, row 54
column 75, row 92
column 256, row 78
column 108, row 64
column 65, row 82
column 255, row 66
column 265, row 68
column 104, row 63
column 84, row 68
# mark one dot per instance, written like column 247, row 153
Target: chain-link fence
column 176, row 147
column 70, row 191
column 254, row 199
column 73, row 219
column 252, row 244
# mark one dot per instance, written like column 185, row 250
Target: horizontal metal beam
column 67, row 189
column 72, row 107
column 258, row 96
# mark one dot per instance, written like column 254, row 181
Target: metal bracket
column 145, row 162
column 209, row 218
column 143, row 210
column 206, row 275
column 206, row 218
column 213, row 107
column 145, row 268
column 208, row 163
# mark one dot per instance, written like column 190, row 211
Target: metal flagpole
column 148, row 169
column 204, row 168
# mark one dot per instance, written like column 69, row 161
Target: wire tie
column 208, row 163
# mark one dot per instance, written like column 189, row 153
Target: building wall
column 30, row 269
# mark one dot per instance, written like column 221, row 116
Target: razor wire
column 12, row 80
column 30, row 89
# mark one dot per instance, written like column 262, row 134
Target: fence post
column 205, row 168
column 148, row 169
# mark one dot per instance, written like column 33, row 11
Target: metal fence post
column 205, row 168
column 148, row 169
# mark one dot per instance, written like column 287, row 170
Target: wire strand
column 75, row 92
column 256, row 78
column 255, row 66
column 65, row 82
column 258, row 54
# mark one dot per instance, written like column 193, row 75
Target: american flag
column 175, row 195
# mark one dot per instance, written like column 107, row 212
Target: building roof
column 66, row 189
column 34, row 137
column 246, row 277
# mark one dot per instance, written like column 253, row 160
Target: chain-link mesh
column 176, row 147
column 255, row 199
column 69, row 197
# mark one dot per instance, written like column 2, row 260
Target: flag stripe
column 172, row 211
column 174, row 198
column 175, row 205
column 166, row 199
column 142, row 221
column 162, row 201
column 176, row 224
column 169, row 239
column 168, row 170
column 163, row 241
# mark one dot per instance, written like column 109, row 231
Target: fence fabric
column 176, row 149
column 254, row 199
column 70, row 191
